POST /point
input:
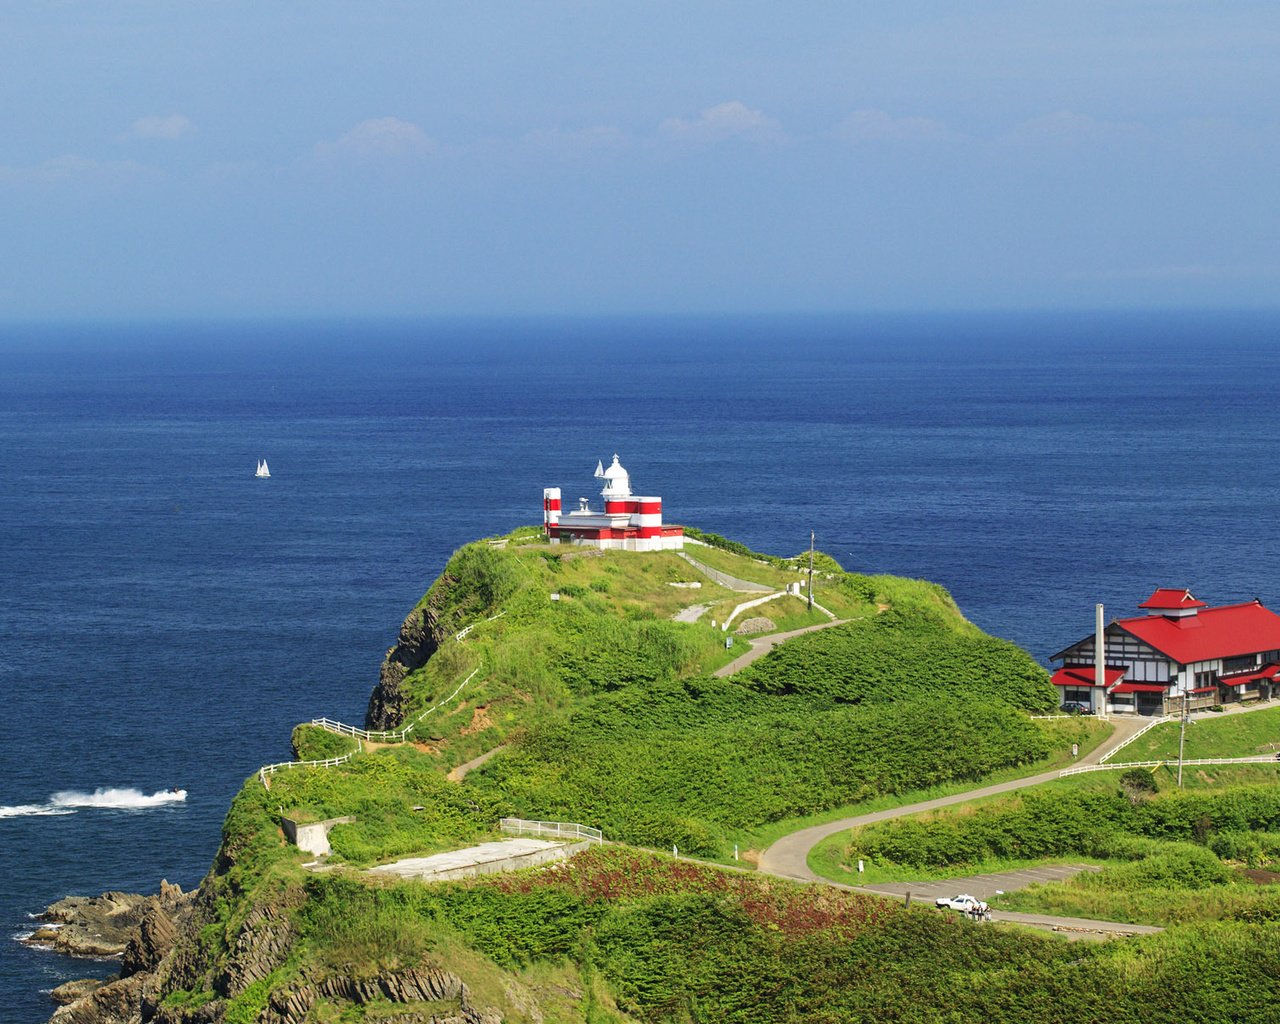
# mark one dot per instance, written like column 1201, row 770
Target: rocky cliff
column 163, row 955
column 421, row 635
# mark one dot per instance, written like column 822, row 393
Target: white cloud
column 170, row 127
column 878, row 126
column 731, row 120
column 74, row 168
column 379, row 139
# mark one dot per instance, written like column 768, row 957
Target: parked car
column 964, row 902
column 1074, row 707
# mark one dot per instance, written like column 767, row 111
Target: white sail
column 262, row 469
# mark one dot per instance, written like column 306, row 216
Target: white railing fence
column 1120, row 746
column 556, row 829
column 386, row 735
column 267, row 770
column 1256, row 759
column 360, row 736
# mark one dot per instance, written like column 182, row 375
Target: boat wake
column 69, row 801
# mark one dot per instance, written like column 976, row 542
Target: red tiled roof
column 1266, row 672
column 1171, row 599
column 1225, row 632
column 1139, row 688
column 1082, row 675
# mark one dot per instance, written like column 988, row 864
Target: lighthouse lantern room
column 628, row 522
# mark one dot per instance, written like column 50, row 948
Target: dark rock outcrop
column 69, row 991
column 416, row 985
column 117, row 1002
column 261, row 946
column 157, row 932
column 101, row 926
column 421, row 635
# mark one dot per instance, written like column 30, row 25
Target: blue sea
column 165, row 618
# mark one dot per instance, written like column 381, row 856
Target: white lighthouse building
column 628, row 522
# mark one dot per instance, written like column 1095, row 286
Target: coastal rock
column 142, row 930
column 117, row 1002
column 421, row 635
column 156, row 935
column 96, row 926
column 69, row 991
column 106, row 925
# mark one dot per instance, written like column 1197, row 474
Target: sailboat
column 262, row 472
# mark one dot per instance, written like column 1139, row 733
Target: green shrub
column 311, row 743
column 1137, row 784
column 899, row 656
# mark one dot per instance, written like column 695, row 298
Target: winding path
column 760, row 646
column 789, row 856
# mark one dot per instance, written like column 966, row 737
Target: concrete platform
column 485, row 859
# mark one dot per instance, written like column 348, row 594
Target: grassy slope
column 1169, row 858
column 610, row 717
column 1236, row 735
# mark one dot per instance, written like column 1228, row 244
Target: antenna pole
column 810, row 570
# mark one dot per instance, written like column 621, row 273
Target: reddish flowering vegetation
column 617, row 875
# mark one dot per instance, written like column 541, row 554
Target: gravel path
column 760, row 646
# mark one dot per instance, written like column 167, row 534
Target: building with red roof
column 1181, row 650
column 627, row 523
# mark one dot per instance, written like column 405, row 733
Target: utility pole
column 810, row 570
column 1182, row 734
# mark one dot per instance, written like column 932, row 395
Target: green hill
column 570, row 668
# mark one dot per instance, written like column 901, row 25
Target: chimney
column 1100, row 661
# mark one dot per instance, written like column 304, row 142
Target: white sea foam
column 69, row 801
column 119, row 799
column 29, row 810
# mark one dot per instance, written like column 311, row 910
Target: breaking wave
column 69, row 801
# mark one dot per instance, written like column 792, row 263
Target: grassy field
column 1235, row 735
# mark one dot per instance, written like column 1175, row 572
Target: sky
column 200, row 159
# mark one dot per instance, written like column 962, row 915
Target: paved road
column 982, row 886
column 760, row 646
column 789, row 856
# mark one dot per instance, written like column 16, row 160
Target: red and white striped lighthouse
column 628, row 522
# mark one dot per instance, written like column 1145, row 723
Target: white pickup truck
column 964, row 902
